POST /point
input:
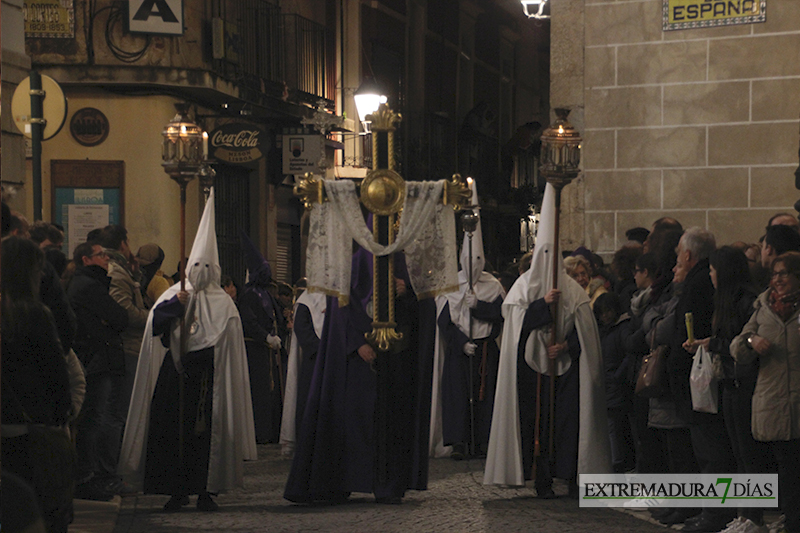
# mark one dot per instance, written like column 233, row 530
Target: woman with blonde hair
column 579, row 269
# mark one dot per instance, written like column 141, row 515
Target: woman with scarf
column 772, row 338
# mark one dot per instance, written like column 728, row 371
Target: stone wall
column 699, row 124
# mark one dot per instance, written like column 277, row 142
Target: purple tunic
column 357, row 436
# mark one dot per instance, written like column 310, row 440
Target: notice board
column 86, row 195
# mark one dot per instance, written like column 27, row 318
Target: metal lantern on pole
column 561, row 157
column 182, row 154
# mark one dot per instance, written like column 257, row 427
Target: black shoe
column 92, row 490
column 678, row 516
column 459, row 452
column 546, row 494
column 205, row 503
column 705, row 524
column 175, row 504
column 573, row 492
column 118, row 486
column 661, row 512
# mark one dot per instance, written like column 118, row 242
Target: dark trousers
column 619, row 432
column 567, row 415
column 712, row 448
column 649, row 443
column 787, row 454
column 680, row 456
column 752, row 457
column 100, row 427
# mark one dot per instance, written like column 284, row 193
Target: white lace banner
column 426, row 234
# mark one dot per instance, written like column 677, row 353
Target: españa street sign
column 687, row 14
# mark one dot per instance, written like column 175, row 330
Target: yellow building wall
column 152, row 199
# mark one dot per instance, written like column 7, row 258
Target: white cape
column 504, row 457
column 232, row 434
column 436, row 447
column 316, row 303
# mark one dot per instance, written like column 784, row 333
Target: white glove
column 469, row 348
column 471, row 300
column 274, row 342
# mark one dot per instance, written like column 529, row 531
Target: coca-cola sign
column 237, row 143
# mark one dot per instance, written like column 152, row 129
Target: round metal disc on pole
column 54, row 107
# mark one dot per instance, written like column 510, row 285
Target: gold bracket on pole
column 310, row 190
column 456, row 192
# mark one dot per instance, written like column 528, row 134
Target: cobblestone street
column 455, row 501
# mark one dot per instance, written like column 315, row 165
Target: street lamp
column 561, row 151
column 534, row 9
column 368, row 98
column 182, row 147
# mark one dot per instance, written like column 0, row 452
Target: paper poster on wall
column 80, row 210
column 83, row 219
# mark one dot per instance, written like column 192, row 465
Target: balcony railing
column 260, row 47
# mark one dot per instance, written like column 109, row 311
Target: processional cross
column 382, row 192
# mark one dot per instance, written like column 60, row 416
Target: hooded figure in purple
column 366, row 421
column 261, row 321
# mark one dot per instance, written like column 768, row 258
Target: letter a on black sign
column 158, row 8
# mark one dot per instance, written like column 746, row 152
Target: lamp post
column 182, row 155
column 561, row 157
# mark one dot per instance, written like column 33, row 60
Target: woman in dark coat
column 35, row 387
column 733, row 306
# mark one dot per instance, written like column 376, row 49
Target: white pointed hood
column 504, row 459
column 485, row 285
column 212, row 320
column 202, row 268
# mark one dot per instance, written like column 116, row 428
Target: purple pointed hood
column 260, row 271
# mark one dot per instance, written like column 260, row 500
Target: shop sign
column 237, row 143
column 687, row 14
column 301, row 153
column 156, row 16
column 89, row 126
column 53, row 19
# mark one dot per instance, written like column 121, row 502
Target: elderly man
column 710, row 441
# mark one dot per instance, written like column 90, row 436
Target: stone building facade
column 698, row 124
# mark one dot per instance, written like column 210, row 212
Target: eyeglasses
column 780, row 274
column 101, row 253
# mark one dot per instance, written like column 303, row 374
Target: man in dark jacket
column 98, row 344
column 710, row 441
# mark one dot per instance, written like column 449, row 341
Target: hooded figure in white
column 309, row 316
column 461, row 314
column 504, row 461
column 218, row 417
